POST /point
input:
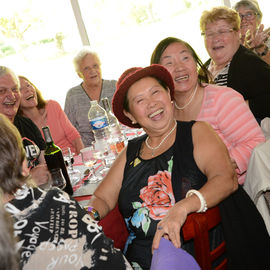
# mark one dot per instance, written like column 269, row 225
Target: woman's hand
column 257, row 40
column 169, row 227
column 40, row 174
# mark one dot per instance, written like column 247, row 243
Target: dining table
column 113, row 224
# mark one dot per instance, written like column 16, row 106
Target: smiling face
column 9, row 96
column 182, row 66
column 28, row 95
column 150, row 105
column 249, row 20
column 90, row 70
column 221, row 41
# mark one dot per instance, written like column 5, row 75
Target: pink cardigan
column 62, row 131
column 230, row 116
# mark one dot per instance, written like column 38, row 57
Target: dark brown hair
column 41, row 101
column 203, row 73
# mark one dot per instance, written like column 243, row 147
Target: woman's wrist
column 92, row 212
column 262, row 51
column 203, row 206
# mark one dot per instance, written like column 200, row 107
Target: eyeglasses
column 248, row 16
column 220, row 32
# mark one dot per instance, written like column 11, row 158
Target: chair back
column 197, row 227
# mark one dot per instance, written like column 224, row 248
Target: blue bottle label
column 99, row 123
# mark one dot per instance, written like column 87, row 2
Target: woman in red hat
column 175, row 169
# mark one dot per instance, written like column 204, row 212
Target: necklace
column 163, row 140
column 191, row 98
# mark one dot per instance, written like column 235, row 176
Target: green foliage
column 142, row 13
column 187, row 3
column 13, row 27
column 6, row 49
column 46, row 40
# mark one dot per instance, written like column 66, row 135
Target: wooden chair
column 197, row 227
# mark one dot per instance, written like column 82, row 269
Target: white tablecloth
column 258, row 179
column 81, row 189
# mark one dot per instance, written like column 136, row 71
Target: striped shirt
column 230, row 116
column 221, row 78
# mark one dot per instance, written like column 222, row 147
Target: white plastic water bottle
column 117, row 138
column 99, row 122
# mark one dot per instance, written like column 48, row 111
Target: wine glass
column 89, row 160
column 57, row 178
column 74, row 174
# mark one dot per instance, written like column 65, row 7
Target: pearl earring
column 133, row 122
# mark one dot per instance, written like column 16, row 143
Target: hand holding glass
column 57, row 178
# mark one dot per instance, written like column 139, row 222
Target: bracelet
column 91, row 210
column 264, row 52
column 203, row 207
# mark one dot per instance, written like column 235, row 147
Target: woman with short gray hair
column 253, row 35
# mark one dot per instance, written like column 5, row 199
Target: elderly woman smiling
column 175, row 169
column 195, row 99
column 232, row 64
column 253, row 35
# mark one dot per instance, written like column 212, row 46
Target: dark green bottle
column 54, row 158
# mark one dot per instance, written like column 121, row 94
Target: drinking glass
column 89, row 160
column 57, row 178
column 74, row 174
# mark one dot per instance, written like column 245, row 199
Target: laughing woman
column 48, row 113
column 140, row 179
column 233, row 65
column 253, row 34
column 175, row 169
column 222, row 107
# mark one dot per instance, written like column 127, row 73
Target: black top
column 32, row 139
column 54, row 232
column 144, row 199
column 244, row 231
column 147, row 192
column 250, row 75
column 151, row 187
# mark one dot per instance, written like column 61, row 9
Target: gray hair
column 250, row 4
column 5, row 70
column 80, row 56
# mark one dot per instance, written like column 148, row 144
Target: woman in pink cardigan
column 48, row 113
column 222, row 107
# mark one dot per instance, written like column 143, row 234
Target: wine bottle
column 54, row 158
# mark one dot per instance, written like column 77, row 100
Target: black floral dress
column 151, row 187
column 147, row 194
